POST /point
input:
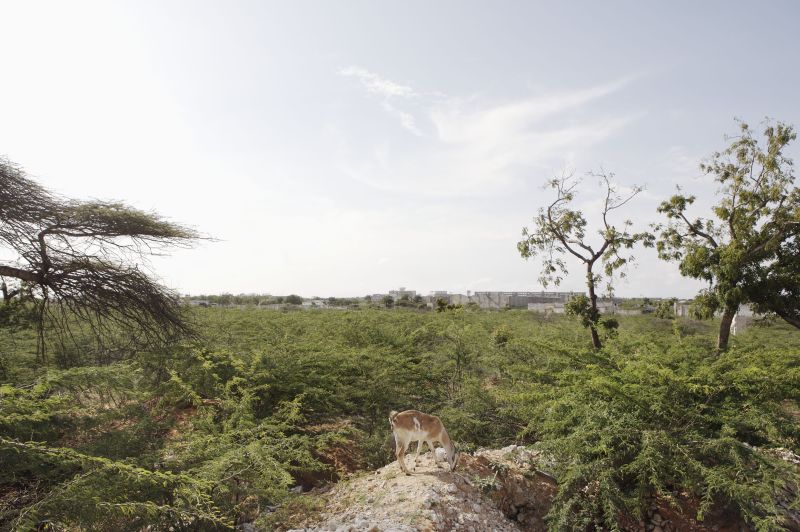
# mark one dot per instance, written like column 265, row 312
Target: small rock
column 431, row 500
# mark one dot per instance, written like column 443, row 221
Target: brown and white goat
column 413, row 425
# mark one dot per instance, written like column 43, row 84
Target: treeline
column 227, row 299
column 386, row 301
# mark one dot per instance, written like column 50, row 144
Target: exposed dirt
column 341, row 455
column 488, row 491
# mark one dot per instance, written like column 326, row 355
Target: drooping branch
column 83, row 258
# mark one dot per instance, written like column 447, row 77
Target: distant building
column 555, row 307
column 607, row 306
column 436, row 295
column 498, row 300
column 629, row 311
column 402, row 292
column 557, row 303
column 199, row 303
column 682, row 309
column 743, row 319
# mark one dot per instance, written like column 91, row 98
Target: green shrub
column 229, row 422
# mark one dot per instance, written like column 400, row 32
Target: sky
column 353, row 147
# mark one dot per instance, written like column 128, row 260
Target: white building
column 520, row 299
column 743, row 319
column 402, row 292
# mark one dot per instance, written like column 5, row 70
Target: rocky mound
column 493, row 490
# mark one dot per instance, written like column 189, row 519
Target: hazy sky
column 346, row 148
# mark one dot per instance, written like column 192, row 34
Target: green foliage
column 581, row 307
column 644, row 422
column 293, row 299
column 755, row 222
column 265, row 399
column 560, row 231
column 486, row 484
column 501, row 335
column 665, row 309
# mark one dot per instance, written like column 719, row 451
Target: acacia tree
column 81, row 262
column 748, row 251
column 561, row 230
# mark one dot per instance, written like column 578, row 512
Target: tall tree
column 561, row 230
column 82, row 261
column 750, row 243
column 774, row 287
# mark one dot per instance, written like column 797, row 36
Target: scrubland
column 217, row 431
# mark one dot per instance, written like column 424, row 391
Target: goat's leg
column 401, row 455
column 416, row 454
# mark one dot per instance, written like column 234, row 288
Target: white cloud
column 475, row 149
column 495, row 124
column 407, row 120
column 376, row 84
column 388, row 90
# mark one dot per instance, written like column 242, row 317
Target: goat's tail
column 392, row 415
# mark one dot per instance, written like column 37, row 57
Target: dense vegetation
column 215, row 431
column 122, row 409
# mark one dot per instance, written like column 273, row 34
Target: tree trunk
column 595, row 338
column 593, row 300
column 725, row 329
